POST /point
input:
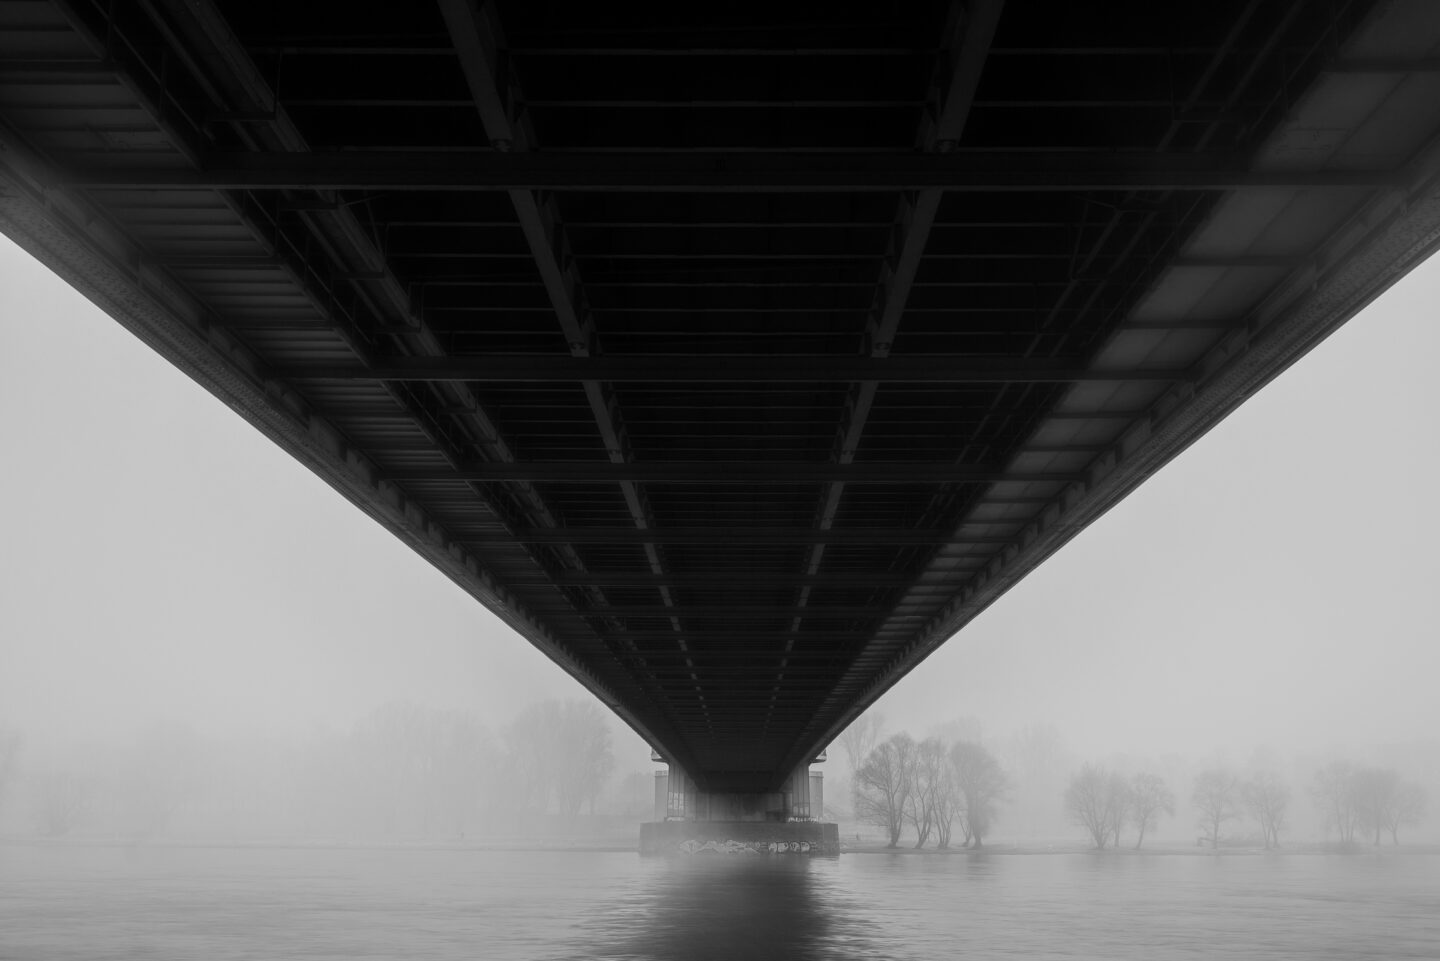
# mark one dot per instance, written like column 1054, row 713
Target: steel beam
column 415, row 170
column 736, row 369
column 480, row 42
column 970, row 28
column 728, row 580
column 755, row 653
column 228, row 66
column 726, row 611
column 726, row 535
column 1384, row 67
column 721, row 473
column 733, row 639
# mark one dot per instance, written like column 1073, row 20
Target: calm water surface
column 73, row 902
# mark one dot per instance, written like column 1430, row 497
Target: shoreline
column 1167, row 850
column 532, row 845
column 613, row 845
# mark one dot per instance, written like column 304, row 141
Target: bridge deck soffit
column 736, row 371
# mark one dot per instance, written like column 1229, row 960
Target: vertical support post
column 797, row 795
column 662, row 794
column 680, row 796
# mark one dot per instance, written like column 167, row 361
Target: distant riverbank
column 580, row 844
column 1170, row 849
column 616, row 844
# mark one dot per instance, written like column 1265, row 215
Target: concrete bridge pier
column 692, row 821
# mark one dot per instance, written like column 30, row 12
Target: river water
column 59, row 903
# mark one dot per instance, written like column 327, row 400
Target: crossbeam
column 726, row 580
column 738, row 638
column 731, row 368
column 730, row 612
column 418, row 170
column 728, row 535
column 733, row 472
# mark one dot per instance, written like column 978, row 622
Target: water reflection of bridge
column 736, row 364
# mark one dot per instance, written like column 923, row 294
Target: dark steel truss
column 735, row 370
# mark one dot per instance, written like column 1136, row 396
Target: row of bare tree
column 1350, row 798
column 1221, row 795
column 1104, row 802
column 931, row 785
column 1353, row 799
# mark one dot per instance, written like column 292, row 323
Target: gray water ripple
column 175, row 903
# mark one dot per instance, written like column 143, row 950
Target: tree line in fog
column 1367, row 800
column 400, row 771
column 951, row 782
column 933, row 786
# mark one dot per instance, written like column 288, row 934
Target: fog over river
column 86, row 903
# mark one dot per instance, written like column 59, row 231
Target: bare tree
column 1097, row 799
column 859, row 739
column 1267, row 797
column 935, row 797
column 585, row 765
column 559, row 755
column 1149, row 798
column 946, row 801
column 1409, row 809
column 1377, row 797
column 1217, row 796
column 930, row 779
column 981, row 783
column 882, row 785
column 1334, row 792
column 1119, row 806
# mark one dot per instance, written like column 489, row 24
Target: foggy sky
column 1275, row 585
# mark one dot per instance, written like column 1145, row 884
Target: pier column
column 797, row 796
column 691, row 821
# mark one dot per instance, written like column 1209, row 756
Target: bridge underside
column 736, row 356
